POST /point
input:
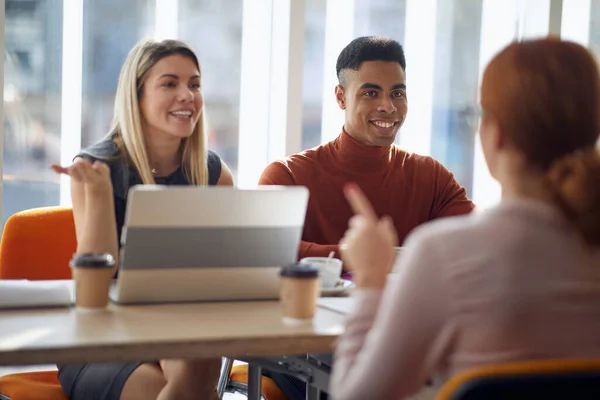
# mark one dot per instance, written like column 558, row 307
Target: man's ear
column 340, row 96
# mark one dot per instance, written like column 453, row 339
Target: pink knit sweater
column 511, row 283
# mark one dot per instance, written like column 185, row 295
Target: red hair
column 545, row 96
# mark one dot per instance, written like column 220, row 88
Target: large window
column 581, row 23
column 214, row 29
column 447, row 43
column 62, row 63
column 110, row 29
column 268, row 75
column 32, row 103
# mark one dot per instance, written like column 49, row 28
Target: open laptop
column 185, row 243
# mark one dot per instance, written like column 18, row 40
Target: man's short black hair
column 369, row 48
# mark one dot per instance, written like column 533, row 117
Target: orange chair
column 39, row 385
column 540, row 379
column 36, row 245
column 270, row 391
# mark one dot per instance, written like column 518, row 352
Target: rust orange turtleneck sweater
column 412, row 189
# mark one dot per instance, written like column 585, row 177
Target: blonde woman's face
column 171, row 100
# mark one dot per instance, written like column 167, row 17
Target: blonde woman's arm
column 93, row 206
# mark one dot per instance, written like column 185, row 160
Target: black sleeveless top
column 124, row 176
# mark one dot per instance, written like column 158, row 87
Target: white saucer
column 342, row 287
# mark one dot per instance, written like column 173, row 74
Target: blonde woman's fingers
column 100, row 166
column 59, row 169
column 76, row 172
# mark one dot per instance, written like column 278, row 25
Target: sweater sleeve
column 309, row 249
column 278, row 173
column 396, row 339
column 450, row 197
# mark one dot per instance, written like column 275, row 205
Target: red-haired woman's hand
column 367, row 247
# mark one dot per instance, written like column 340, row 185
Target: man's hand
column 367, row 247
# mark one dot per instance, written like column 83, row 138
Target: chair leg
column 313, row 393
column 254, row 382
column 224, row 378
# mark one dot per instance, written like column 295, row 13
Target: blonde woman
column 157, row 138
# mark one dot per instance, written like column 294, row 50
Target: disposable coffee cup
column 300, row 288
column 93, row 274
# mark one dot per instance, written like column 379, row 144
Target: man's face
column 374, row 100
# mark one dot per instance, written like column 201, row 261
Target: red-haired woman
column 520, row 281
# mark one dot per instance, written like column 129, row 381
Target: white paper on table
column 342, row 305
column 25, row 293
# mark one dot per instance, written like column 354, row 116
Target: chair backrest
column 542, row 379
column 37, row 244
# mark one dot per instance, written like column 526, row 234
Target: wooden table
column 152, row 332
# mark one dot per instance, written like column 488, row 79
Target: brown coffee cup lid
column 93, row 260
column 298, row 270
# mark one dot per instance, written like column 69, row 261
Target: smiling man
column 410, row 188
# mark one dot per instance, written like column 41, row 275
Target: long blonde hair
column 127, row 125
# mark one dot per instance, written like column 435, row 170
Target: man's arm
column 279, row 173
column 309, row 249
column 450, row 197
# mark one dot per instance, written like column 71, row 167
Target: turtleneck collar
column 351, row 155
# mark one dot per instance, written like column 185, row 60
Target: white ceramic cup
column 398, row 250
column 330, row 269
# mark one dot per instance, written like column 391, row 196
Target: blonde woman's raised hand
column 367, row 247
column 94, row 176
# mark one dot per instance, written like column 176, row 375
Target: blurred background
column 60, row 75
